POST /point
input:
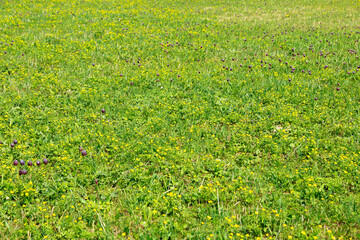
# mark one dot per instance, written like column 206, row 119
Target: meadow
column 167, row 119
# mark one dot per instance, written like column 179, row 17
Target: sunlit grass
column 222, row 119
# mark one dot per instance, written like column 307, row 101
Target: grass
column 201, row 139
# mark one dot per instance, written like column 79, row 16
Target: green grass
column 194, row 144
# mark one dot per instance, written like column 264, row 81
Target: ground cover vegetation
column 179, row 119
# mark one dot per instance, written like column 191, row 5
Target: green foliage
column 224, row 119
